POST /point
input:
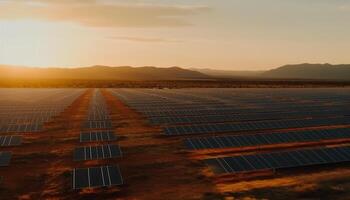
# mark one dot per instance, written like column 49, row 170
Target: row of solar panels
column 19, row 120
column 25, row 120
column 262, row 139
column 96, row 136
column 23, row 115
column 28, row 113
column 98, row 114
column 93, row 116
column 145, row 105
column 101, row 124
column 274, row 107
column 15, row 120
column 229, row 111
column 97, row 152
column 97, row 108
column 190, row 110
column 252, row 126
column 164, row 102
column 143, row 100
column 280, row 160
column 100, row 176
column 31, row 118
column 31, row 108
column 245, row 117
column 20, row 128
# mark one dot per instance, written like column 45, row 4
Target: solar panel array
column 97, row 128
column 163, row 106
column 280, row 160
column 178, row 111
column 27, row 110
column 234, row 118
column 236, row 141
column 253, row 126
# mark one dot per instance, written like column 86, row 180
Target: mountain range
column 228, row 73
column 300, row 71
column 310, row 71
column 101, row 73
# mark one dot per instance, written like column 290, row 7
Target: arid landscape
column 174, row 100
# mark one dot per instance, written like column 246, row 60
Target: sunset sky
column 218, row 34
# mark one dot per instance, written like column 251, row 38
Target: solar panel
column 97, row 152
column 5, row 158
column 10, row 140
column 102, row 176
column 279, row 160
column 93, row 136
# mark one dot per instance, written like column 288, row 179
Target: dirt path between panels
column 155, row 166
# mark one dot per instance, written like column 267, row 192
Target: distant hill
column 310, row 71
column 101, row 73
column 301, row 71
column 228, row 73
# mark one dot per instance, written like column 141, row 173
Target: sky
column 217, row 34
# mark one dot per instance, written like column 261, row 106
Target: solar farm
column 174, row 143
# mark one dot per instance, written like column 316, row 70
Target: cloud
column 144, row 39
column 96, row 14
